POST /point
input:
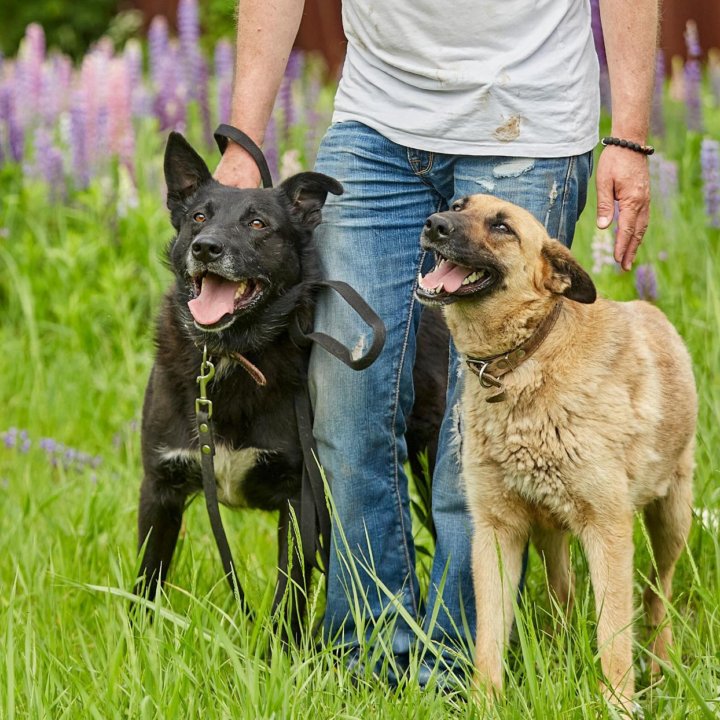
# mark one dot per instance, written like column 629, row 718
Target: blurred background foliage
column 72, row 27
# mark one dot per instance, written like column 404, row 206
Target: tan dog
column 583, row 412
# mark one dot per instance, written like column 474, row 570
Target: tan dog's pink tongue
column 217, row 298
column 448, row 277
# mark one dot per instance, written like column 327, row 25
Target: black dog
column 242, row 260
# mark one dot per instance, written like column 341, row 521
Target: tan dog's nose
column 437, row 227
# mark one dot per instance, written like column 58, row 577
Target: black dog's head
column 240, row 256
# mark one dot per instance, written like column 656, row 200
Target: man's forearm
column 265, row 36
column 630, row 30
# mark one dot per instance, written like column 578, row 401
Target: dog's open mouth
column 448, row 281
column 217, row 299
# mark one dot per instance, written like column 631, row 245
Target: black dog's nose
column 206, row 249
column 437, row 227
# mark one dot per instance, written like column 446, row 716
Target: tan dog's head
column 494, row 259
column 485, row 246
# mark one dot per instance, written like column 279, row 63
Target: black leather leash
column 314, row 520
column 314, row 516
column 228, row 132
column 203, row 418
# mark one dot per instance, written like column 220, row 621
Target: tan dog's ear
column 566, row 277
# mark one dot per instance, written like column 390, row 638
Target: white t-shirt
column 473, row 77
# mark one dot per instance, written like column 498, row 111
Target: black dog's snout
column 206, row 249
column 437, row 226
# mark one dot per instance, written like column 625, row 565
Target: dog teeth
column 241, row 289
column 474, row 277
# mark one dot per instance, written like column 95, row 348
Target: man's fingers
column 631, row 230
column 625, row 232
column 606, row 201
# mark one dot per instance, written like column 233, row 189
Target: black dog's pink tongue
column 447, row 275
column 216, row 299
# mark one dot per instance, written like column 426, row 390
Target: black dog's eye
column 257, row 224
column 199, row 217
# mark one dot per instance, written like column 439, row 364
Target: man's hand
column 623, row 175
column 237, row 168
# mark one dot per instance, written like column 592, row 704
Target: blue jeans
column 369, row 238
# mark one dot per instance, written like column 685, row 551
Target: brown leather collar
column 490, row 369
column 252, row 370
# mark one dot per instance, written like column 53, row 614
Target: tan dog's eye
column 501, row 228
column 199, row 217
column 257, row 224
column 457, row 206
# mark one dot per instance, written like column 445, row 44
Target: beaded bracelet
column 644, row 149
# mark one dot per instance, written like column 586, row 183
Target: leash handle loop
column 228, row 132
column 335, row 347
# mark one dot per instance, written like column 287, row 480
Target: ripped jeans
column 369, row 238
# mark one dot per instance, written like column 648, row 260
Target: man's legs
column 369, row 238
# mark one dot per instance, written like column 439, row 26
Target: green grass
column 79, row 287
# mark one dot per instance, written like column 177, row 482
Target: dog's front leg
column 609, row 550
column 497, row 550
column 159, row 521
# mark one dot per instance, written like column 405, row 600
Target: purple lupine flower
column 270, row 147
column 189, row 36
column 140, row 99
column 224, row 58
column 315, row 124
column 657, row 119
column 599, row 40
column 59, row 455
column 15, row 439
column 93, row 82
column 693, row 78
column 223, row 76
column 78, row 139
column 646, row 282
column 203, row 99
column 664, row 178
column 170, row 103
column 196, row 73
column 122, row 139
column 16, row 134
column 48, row 162
column 10, row 437
column 603, row 247
column 49, row 445
column 597, row 31
column 55, row 89
column 293, row 72
column 30, row 69
column 710, row 162
column 158, row 41
column 188, row 22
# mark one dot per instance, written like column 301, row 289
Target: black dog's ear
column 307, row 192
column 185, row 170
column 566, row 276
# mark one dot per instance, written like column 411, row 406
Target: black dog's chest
column 257, row 461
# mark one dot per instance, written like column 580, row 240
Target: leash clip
column 479, row 368
column 207, row 373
